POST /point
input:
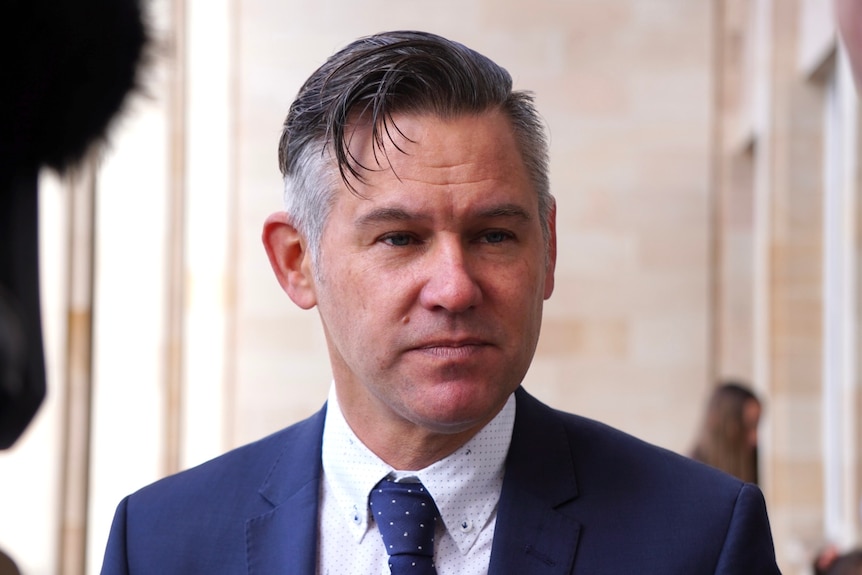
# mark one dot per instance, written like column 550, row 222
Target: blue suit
column 578, row 498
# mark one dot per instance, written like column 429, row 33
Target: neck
column 404, row 443
column 408, row 447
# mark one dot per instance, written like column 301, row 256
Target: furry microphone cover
column 66, row 68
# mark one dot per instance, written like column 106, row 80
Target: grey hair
column 374, row 78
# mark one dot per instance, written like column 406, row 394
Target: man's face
column 431, row 284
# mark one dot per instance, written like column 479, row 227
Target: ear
column 552, row 251
column 290, row 260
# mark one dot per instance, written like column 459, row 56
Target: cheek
column 519, row 297
column 527, row 282
column 356, row 302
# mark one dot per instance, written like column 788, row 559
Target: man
column 420, row 224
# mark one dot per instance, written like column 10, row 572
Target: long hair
column 724, row 441
column 849, row 563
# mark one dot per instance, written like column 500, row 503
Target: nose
column 450, row 283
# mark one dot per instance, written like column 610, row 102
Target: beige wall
column 687, row 161
column 787, row 224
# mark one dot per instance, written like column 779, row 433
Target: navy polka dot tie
column 406, row 515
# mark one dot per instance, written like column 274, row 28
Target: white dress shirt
column 465, row 486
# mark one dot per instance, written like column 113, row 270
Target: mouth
column 452, row 348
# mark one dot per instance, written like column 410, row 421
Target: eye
column 496, row 236
column 397, row 239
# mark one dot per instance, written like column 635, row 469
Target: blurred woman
column 830, row 562
column 728, row 435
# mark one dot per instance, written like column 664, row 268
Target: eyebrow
column 506, row 211
column 385, row 215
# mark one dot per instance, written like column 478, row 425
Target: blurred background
column 706, row 163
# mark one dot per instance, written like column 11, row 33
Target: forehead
column 437, row 151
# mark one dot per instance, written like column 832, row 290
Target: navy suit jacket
column 578, row 498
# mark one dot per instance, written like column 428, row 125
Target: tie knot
column 406, row 516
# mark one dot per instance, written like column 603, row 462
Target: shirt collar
column 465, row 485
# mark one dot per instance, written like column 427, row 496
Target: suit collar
column 283, row 540
column 534, row 534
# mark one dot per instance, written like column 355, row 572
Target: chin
column 460, row 410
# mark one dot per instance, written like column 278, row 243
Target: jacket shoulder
column 195, row 521
column 639, row 507
column 250, row 463
column 241, row 472
column 602, row 452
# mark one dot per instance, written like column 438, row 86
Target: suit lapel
column 283, row 540
column 533, row 533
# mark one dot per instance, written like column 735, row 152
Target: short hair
column 376, row 77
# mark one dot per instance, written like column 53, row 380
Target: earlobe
column 288, row 255
column 552, row 251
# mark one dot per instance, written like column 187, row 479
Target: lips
column 452, row 343
column 452, row 349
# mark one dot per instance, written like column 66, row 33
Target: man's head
column 420, row 225
column 374, row 78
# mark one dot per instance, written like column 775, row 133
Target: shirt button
column 466, row 526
